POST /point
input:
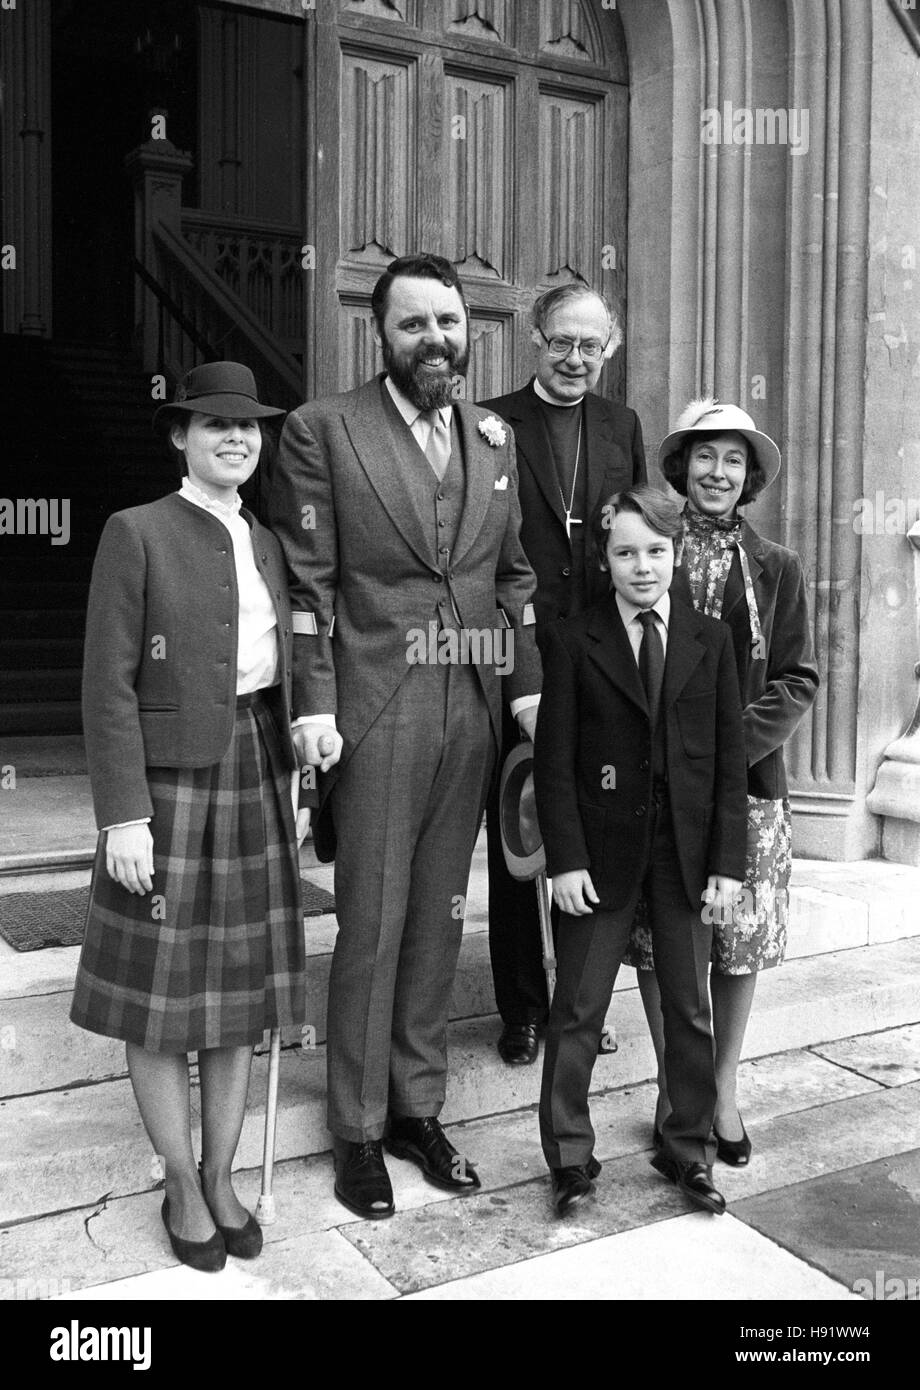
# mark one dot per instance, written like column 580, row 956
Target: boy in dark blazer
column 640, row 783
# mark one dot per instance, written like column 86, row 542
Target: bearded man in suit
column 573, row 447
column 397, row 508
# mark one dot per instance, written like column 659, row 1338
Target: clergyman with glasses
column 573, row 447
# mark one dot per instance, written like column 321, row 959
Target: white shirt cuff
column 144, row 820
column 314, row 719
column 523, row 702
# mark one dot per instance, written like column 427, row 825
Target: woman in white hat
column 194, row 934
column 719, row 460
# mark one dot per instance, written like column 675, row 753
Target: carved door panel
column 492, row 132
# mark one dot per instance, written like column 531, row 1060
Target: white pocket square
column 502, row 483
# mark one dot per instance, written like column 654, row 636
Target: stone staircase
column 79, row 432
column 72, row 1135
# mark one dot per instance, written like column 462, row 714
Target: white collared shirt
column 629, row 612
column 257, row 644
column 415, row 418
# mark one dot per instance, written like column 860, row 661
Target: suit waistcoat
column 438, row 504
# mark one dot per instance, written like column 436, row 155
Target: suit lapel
column 599, row 440
column 479, row 465
column 610, row 649
column 684, row 652
column 533, row 446
column 370, row 430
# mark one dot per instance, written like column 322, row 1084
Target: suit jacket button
column 640, row 810
column 566, row 572
column 643, row 765
column 264, row 558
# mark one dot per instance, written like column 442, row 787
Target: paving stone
column 318, row 1266
column 861, row 1225
column 891, row 1058
column 690, row 1257
column 433, row 1245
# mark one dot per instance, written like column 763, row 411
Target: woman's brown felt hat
column 522, row 842
column 226, row 389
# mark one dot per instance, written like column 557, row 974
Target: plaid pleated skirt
column 214, row 955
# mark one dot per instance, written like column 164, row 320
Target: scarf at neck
column 709, row 544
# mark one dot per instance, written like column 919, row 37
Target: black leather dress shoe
column 735, row 1152
column 694, row 1180
column 362, row 1183
column 572, row 1185
column 422, row 1140
column 518, row 1045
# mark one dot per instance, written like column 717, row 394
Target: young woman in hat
column 194, row 935
column 719, row 461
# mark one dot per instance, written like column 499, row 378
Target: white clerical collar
column 551, row 400
column 630, row 611
column 409, row 410
column 195, row 494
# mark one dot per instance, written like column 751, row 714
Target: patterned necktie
column 437, row 450
column 651, row 662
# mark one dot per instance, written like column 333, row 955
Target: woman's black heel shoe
column 735, row 1152
column 245, row 1242
column 206, row 1255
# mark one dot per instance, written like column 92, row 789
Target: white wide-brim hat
column 710, row 414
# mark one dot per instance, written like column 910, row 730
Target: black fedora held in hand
column 522, row 842
column 226, row 389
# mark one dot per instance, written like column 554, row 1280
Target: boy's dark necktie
column 651, row 662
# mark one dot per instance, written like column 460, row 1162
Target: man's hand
column 129, row 857
column 719, row 895
column 572, row 891
column 317, row 745
column 527, row 721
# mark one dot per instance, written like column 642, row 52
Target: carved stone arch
column 748, row 261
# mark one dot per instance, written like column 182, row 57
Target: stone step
column 26, row 622
column 52, row 1054
column 70, row 1147
column 40, row 686
column 55, row 717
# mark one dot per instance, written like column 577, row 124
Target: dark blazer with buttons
column 592, row 759
column 159, row 672
column 615, row 461
column 778, row 685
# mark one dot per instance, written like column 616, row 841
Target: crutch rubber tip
column 265, row 1211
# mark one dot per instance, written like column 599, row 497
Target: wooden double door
column 492, row 132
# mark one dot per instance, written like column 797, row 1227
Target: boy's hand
column 720, row 894
column 572, row 891
column 129, row 857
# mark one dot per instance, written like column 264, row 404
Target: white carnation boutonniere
column 493, row 431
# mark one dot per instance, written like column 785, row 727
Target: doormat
column 34, row 921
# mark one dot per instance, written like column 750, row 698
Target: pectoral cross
column 571, row 521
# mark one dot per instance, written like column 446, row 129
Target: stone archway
column 748, row 273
